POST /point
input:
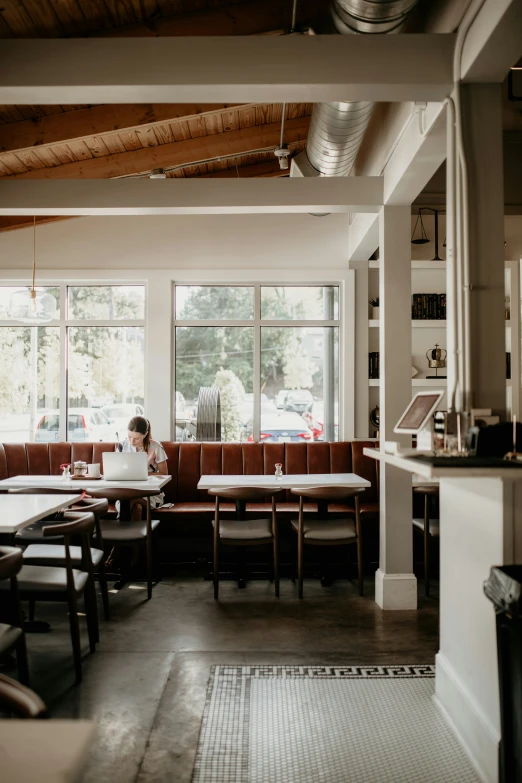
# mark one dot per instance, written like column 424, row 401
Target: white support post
column 395, row 583
column 159, row 380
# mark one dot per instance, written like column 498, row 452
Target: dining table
column 83, row 483
column 285, row 481
column 19, row 511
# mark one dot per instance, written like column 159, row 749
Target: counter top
column 423, row 470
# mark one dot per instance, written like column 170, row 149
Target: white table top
column 49, row 751
column 19, row 511
column 56, row 482
column 286, row 481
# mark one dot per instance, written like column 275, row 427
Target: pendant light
column 29, row 305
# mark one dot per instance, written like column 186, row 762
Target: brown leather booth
column 192, row 509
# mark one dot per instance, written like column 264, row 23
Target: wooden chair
column 430, row 528
column 119, row 532
column 45, row 583
column 322, row 531
column 12, row 636
column 245, row 532
column 53, row 554
column 19, row 701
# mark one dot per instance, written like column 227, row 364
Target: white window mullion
column 257, row 362
column 64, row 402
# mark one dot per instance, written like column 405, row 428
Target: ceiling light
column 158, row 174
column 30, row 305
column 282, row 154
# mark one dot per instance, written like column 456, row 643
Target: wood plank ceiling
column 121, row 141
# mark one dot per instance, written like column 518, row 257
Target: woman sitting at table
column 139, row 439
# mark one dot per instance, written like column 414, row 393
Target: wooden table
column 47, row 751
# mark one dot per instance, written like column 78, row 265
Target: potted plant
column 374, row 303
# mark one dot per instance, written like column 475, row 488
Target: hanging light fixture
column 423, row 239
column 30, row 305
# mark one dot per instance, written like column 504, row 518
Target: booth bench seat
column 187, row 462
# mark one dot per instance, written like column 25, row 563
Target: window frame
column 64, row 323
column 257, row 322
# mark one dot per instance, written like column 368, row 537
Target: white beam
column 248, row 69
column 190, row 196
column 364, row 237
column 418, row 154
column 493, row 43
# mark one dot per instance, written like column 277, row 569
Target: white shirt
column 155, row 454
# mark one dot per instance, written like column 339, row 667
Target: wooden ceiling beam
column 96, row 121
column 175, row 154
column 250, row 18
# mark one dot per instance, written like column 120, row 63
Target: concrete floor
column 145, row 685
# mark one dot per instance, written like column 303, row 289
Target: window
column 96, row 343
column 271, row 351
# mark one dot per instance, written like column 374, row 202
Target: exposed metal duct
column 336, row 129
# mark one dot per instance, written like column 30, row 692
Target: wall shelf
column 416, row 265
column 416, row 324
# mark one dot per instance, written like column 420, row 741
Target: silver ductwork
column 336, row 129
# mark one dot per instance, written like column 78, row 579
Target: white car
column 121, row 414
column 84, row 425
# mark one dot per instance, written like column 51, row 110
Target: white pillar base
column 395, row 591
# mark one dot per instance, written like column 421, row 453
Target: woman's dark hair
column 142, row 425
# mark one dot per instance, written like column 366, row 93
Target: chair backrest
column 17, row 700
column 327, row 493
column 11, row 560
column 247, row 494
column 123, row 493
column 76, row 523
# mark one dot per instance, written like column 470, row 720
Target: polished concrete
column 145, row 686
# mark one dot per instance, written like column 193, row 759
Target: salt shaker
column 278, row 470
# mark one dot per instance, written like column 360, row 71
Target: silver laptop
column 125, row 466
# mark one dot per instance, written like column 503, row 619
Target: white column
column 485, row 380
column 159, row 403
column 395, row 583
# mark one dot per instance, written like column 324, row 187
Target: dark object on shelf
column 374, row 302
column 508, row 365
column 423, row 239
column 428, row 307
column 504, row 590
column 373, row 365
column 375, row 420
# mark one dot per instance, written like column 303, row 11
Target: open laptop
column 125, row 466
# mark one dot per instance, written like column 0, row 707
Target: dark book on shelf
column 508, row 365
column 373, row 365
column 428, row 307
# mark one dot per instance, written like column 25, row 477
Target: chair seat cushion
column 434, row 525
column 245, row 530
column 54, row 555
column 44, row 579
column 9, row 636
column 327, row 529
column 115, row 530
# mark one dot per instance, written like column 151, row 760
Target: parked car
column 87, row 425
column 299, row 400
column 284, row 428
column 280, row 398
column 247, row 407
column 315, row 420
column 121, row 414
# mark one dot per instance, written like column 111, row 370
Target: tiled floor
column 303, row 724
column 146, row 684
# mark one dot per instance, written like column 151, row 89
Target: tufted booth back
column 188, row 461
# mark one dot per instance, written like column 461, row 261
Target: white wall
column 182, row 242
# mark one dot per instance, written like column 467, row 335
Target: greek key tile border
column 223, row 757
